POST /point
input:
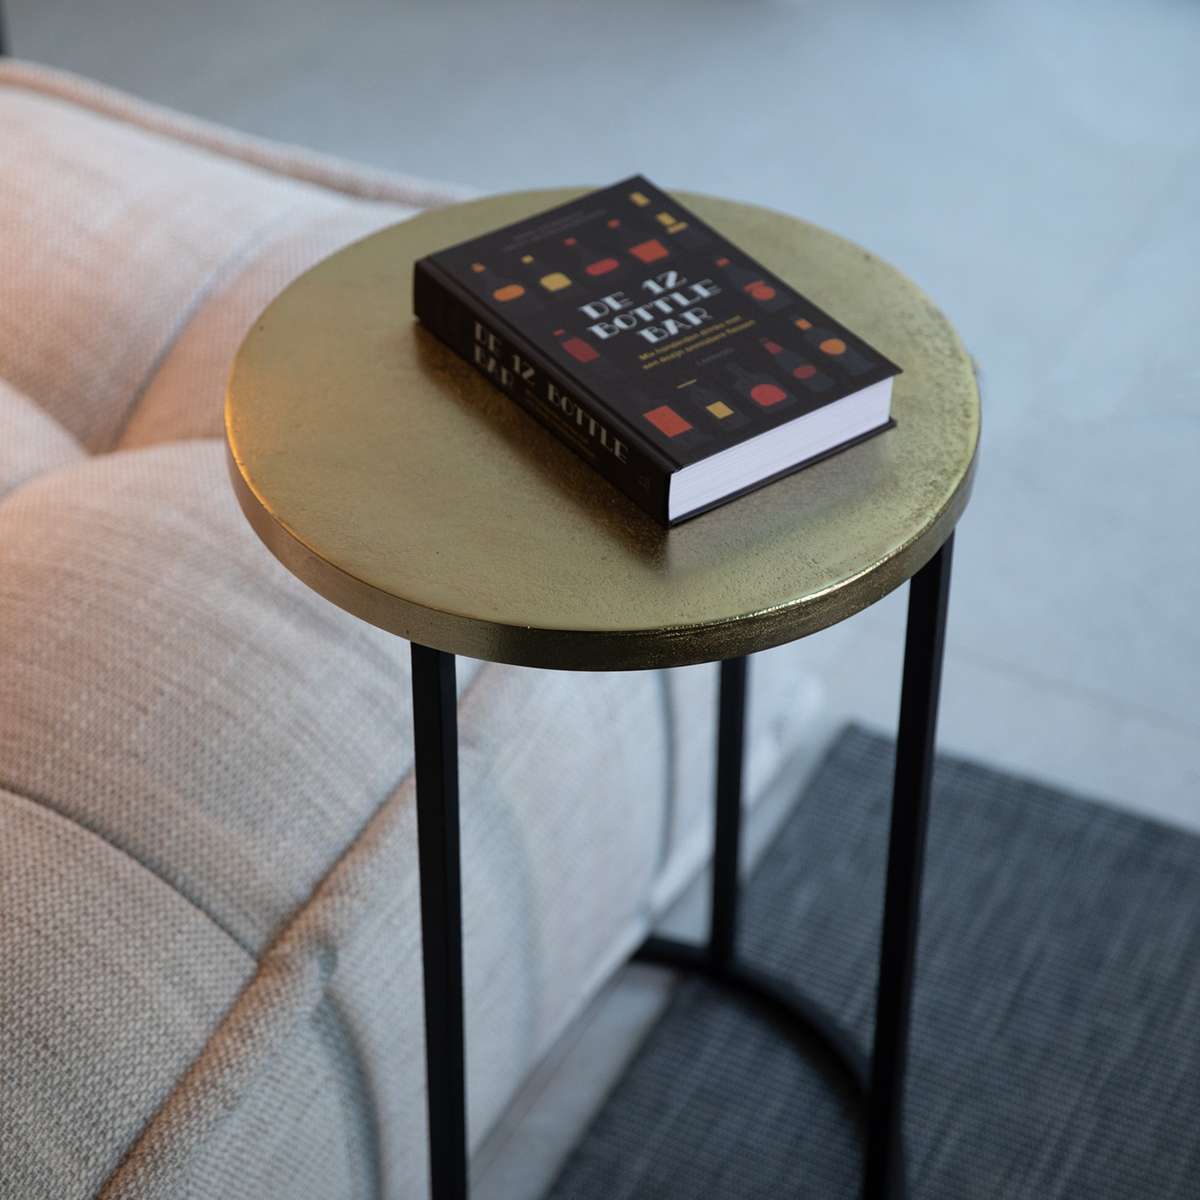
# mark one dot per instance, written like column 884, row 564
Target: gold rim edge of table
column 937, row 401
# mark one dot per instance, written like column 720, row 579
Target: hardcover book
column 675, row 364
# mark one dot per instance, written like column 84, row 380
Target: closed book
column 680, row 368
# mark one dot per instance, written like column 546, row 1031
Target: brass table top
column 397, row 482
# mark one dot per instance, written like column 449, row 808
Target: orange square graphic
column 650, row 251
column 668, row 420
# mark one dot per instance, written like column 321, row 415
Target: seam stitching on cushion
column 268, row 961
column 5, row 497
column 124, row 852
column 351, row 1069
column 226, row 271
column 23, row 399
column 43, row 474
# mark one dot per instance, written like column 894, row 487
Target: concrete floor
column 1033, row 164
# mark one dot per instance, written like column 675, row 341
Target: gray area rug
column 1056, row 1028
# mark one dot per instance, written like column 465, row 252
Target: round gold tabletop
column 397, row 482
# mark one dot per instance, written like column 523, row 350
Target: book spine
column 548, row 395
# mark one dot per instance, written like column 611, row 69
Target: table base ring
column 782, row 1003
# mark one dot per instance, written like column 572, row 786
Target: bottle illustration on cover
column 682, row 233
column 614, row 239
column 715, row 408
column 685, row 233
column 797, row 366
column 681, row 432
column 829, row 343
column 594, row 263
column 644, row 249
column 762, row 389
column 548, row 277
column 755, row 286
column 596, row 365
column 503, row 291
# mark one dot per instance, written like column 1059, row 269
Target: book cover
column 646, row 341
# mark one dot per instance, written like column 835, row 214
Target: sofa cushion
column 121, row 221
column 154, row 228
column 172, row 690
column 113, row 984
column 185, row 396
column 31, row 441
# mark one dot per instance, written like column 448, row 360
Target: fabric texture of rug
column 1055, row 1049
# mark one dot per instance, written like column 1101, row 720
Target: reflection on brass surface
column 392, row 478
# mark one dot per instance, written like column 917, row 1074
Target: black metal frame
column 435, row 747
column 880, row 1080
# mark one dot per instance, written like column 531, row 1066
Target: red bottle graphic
column 830, row 344
column 762, row 389
column 666, row 415
column 649, row 251
column 797, row 366
column 586, row 359
column 596, row 264
column 507, row 294
column 580, row 349
column 666, row 420
column 504, row 291
column 769, row 295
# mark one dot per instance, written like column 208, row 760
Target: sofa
column 209, row 924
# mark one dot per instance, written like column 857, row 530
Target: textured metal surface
column 390, row 477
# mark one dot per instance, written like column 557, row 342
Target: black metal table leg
column 435, row 741
column 436, row 751
column 717, row 960
column 731, row 737
column 884, row 1171
column 929, row 594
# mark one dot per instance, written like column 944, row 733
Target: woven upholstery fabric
column 172, row 689
column 112, row 985
column 31, row 442
column 211, row 982
column 185, row 397
column 153, row 229
column 170, row 686
column 1055, row 1041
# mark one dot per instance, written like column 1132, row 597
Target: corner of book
column 423, row 286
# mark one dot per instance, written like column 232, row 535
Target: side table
column 399, row 484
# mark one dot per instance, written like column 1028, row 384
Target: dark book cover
column 640, row 336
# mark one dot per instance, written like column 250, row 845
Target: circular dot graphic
column 767, row 393
column 833, row 346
